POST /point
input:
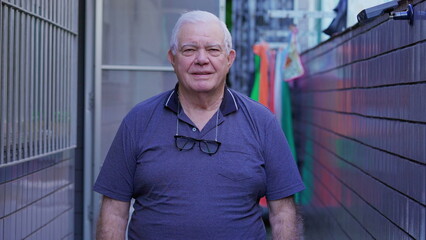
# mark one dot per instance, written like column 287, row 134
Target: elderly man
column 198, row 158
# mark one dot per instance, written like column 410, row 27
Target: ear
column 171, row 57
column 231, row 57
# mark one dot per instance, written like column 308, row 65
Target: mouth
column 201, row 73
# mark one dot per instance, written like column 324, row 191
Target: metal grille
column 38, row 78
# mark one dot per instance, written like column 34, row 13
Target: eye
column 214, row 51
column 188, row 51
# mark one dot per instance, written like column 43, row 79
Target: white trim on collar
column 233, row 98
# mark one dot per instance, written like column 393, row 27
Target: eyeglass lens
column 187, row 143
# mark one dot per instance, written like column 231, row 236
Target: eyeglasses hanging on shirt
column 184, row 143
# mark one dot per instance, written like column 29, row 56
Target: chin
column 203, row 90
column 204, row 87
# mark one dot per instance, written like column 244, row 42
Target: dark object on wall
column 408, row 14
column 369, row 14
column 339, row 22
column 404, row 15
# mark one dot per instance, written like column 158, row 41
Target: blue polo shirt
column 190, row 194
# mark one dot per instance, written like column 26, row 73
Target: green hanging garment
column 255, row 90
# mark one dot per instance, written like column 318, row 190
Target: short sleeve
column 115, row 179
column 282, row 174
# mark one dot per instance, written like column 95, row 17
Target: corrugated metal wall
column 360, row 127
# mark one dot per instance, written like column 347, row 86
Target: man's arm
column 284, row 220
column 113, row 219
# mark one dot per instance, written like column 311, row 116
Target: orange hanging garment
column 261, row 50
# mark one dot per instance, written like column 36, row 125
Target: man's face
column 201, row 62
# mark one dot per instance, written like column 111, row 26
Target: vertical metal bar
column 45, row 81
column 98, row 75
column 41, row 87
column 22, row 85
column 40, row 81
column 58, row 89
column 55, row 11
column 49, row 7
column 49, row 111
column 27, row 89
column 16, row 84
column 61, row 89
column 54, row 93
column 15, row 93
column 31, row 78
column 37, row 7
column 37, row 83
column 37, row 67
column 3, row 81
column 67, row 16
column 68, row 89
column 42, row 8
column 11, row 85
column 64, row 80
column 1, row 84
column 72, row 52
column 65, row 91
column 98, row 84
column 88, row 203
column 74, row 72
column 51, row 88
column 97, row 98
column 62, row 15
column 56, row 79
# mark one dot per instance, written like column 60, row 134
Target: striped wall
column 37, row 198
column 360, row 129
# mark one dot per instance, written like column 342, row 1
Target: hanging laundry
column 283, row 98
column 281, row 57
column 274, row 68
column 293, row 65
column 256, row 84
column 271, row 79
column 263, row 89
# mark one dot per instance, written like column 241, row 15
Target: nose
column 201, row 57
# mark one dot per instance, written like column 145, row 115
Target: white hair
column 195, row 17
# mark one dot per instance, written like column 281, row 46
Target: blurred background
column 349, row 96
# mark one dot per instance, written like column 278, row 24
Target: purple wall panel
column 360, row 129
column 37, row 197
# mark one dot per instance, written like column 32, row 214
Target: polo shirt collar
column 228, row 105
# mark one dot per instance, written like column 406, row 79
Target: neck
column 200, row 107
column 201, row 101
